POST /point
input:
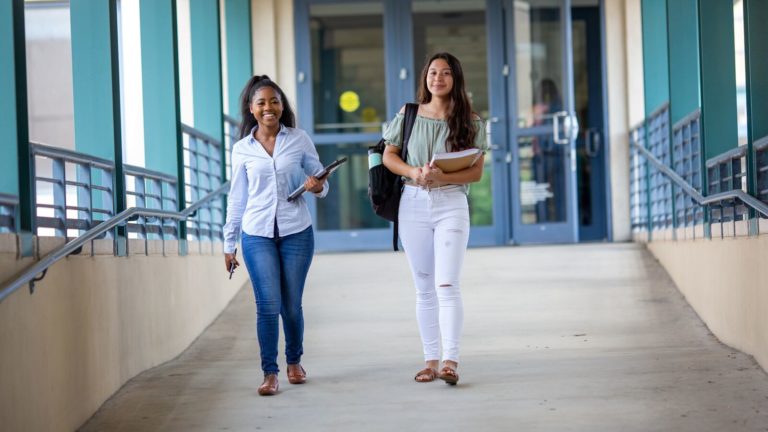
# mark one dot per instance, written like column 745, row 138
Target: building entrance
column 532, row 69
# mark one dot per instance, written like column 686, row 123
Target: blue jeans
column 278, row 269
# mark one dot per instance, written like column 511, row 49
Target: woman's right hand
column 230, row 259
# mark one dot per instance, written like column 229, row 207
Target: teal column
column 159, row 75
column 163, row 146
column 683, row 33
column 239, row 51
column 14, row 91
column 655, row 66
column 16, row 165
column 96, row 90
column 96, row 85
column 719, row 129
column 683, row 63
column 206, row 67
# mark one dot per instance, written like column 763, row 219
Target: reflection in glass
column 347, row 67
column 542, row 180
column 49, row 73
column 538, row 60
column 584, row 155
column 741, row 74
column 347, row 206
column 459, row 28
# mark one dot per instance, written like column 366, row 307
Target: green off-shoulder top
column 428, row 137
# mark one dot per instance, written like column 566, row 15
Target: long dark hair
column 288, row 118
column 462, row 132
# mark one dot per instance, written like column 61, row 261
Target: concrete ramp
column 557, row 338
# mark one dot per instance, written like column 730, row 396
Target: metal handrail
column 29, row 274
column 44, row 150
column 746, row 198
column 200, row 135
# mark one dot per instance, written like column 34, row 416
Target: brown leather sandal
column 297, row 374
column 426, row 375
column 449, row 375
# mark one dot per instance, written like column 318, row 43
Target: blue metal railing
column 727, row 172
column 686, row 154
column 36, row 271
column 760, row 147
column 203, row 174
column 638, row 172
column 660, row 188
column 73, row 191
column 8, row 205
column 231, row 136
column 151, row 190
column 656, row 176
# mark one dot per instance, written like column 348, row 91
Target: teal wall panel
column 239, row 51
column 718, row 77
column 684, row 85
column 206, row 67
column 92, row 85
column 160, row 86
column 655, row 65
column 755, row 19
column 9, row 173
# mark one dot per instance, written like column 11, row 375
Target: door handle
column 570, row 127
column 592, row 142
column 556, row 128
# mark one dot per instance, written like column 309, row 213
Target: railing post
column 649, row 220
column 118, row 175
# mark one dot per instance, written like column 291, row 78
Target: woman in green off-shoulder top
column 434, row 214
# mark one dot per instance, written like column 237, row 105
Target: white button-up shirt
column 260, row 185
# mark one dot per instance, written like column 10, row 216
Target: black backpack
column 385, row 187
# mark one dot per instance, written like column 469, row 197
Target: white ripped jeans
column 434, row 230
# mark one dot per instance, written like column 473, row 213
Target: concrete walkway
column 557, row 338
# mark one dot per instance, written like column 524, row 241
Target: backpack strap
column 411, row 109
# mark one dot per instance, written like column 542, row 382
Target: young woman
column 434, row 213
column 271, row 160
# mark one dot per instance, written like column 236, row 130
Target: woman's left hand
column 432, row 174
column 313, row 184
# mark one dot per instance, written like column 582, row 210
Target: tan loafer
column 269, row 386
column 296, row 374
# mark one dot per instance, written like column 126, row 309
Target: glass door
column 342, row 103
column 543, row 125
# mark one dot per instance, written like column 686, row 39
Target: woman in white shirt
column 271, row 160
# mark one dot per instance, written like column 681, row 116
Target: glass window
column 49, row 73
column 348, row 67
column 542, row 180
column 741, row 74
column 538, row 56
column 131, row 94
